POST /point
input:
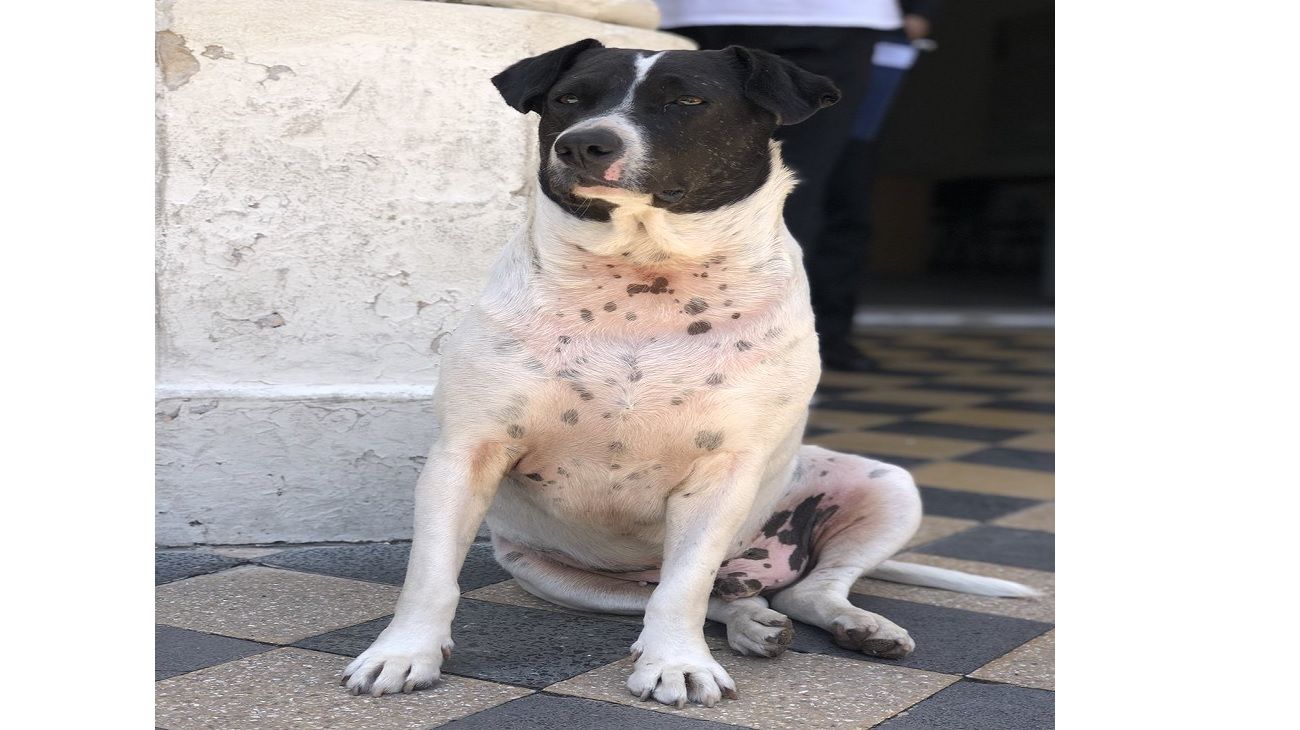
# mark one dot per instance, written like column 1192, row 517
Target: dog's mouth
column 582, row 187
column 586, row 186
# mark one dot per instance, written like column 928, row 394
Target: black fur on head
column 689, row 129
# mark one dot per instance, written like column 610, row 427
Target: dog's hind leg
column 752, row 627
column 865, row 512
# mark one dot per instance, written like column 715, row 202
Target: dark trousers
column 833, row 255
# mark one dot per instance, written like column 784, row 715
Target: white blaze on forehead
column 616, row 120
column 643, row 64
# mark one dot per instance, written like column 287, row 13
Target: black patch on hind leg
column 804, row 521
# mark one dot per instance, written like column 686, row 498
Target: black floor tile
column 511, row 644
column 861, row 406
column 969, row 705
column 546, row 712
column 1014, row 458
column 177, row 651
column 964, row 388
column 1028, row 373
column 902, row 369
column 835, row 391
column 947, row 639
column 952, row 356
column 949, row 431
column 383, row 563
column 1003, row 545
column 970, row 505
column 171, row 565
column 1027, row 406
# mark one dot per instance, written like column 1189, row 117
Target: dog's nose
column 589, row 150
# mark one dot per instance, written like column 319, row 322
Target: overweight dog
column 625, row 404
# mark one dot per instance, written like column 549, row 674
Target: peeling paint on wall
column 175, row 60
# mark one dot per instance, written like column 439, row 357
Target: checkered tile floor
column 256, row 637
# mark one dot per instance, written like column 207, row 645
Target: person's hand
column 916, row 26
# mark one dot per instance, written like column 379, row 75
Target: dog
column 625, row 404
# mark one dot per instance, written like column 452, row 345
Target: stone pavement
column 256, row 637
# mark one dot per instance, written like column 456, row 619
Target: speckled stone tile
column 1039, row 517
column 384, row 563
column 990, row 479
column 923, row 447
column 1038, row 608
column 794, row 691
column 919, row 396
column 503, row 643
column 547, row 712
column 841, row 420
column 1041, row 441
column 970, row 505
column 293, row 689
column 1032, row 665
column 265, row 604
column 1003, row 545
column 173, row 565
column 177, row 651
column 510, row 593
column 992, row 418
column 969, row 705
column 934, row 527
column 948, row 640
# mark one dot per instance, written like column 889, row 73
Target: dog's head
column 686, row 131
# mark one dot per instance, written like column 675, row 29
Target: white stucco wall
column 334, row 178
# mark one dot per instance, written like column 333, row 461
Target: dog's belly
column 595, row 497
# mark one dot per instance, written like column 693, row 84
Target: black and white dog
column 626, row 402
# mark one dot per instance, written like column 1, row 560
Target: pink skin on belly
column 782, row 551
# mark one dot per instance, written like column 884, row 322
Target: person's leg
column 846, row 237
column 812, row 149
column 839, row 267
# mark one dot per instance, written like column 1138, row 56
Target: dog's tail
column 952, row 580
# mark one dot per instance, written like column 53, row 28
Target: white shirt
column 879, row 14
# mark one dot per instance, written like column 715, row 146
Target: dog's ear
column 524, row 83
column 781, row 87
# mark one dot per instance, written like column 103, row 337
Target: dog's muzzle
column 594, row 154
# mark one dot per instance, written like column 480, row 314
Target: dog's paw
column 761, row 632
column 676, row 678
column 401, row 661
column 871, row 634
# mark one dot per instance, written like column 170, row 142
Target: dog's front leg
column 673, row 662
column 451, row 497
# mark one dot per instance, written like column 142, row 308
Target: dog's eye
column 689, row 100
column 567, row 99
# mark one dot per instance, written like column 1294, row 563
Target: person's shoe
column 846, row 358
